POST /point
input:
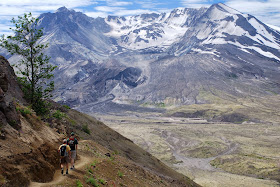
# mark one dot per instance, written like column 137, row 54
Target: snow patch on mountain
column 228, row 9
column 149, row 30
column 264, row 53
column 274, row 27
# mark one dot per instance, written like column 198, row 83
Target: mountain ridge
column 115, row 59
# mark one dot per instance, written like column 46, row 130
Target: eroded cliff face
column 28, row 146
column 10, row 93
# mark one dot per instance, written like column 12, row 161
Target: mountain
column 168, row 59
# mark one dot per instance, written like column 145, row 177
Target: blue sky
column 268, row 11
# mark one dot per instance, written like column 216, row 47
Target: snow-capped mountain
column 152, row 30
column 169, row 58
column 222, row 25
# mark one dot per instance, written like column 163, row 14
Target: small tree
column 33, row 69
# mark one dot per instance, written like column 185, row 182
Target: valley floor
column 212, row 154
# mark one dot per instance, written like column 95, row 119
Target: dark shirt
column 72, row 142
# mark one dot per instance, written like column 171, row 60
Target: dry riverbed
column 212, row 154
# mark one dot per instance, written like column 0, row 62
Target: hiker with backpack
column 73, row 143
column 65, row 153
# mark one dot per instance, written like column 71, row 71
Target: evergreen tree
column 33, row 69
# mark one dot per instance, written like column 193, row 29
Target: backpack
column 63, row 151
column 71, row 142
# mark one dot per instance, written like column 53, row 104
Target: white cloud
column 96, row 14
column 5, row 27
column 108, row 9
column 149, row 4
column 40, row 3
column 266, row 11
column 196, row 3
column 118, row 3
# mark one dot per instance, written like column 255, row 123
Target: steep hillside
column 26, row 152
column 29, row 145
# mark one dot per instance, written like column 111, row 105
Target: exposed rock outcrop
column 9, row 93
column 26, row 152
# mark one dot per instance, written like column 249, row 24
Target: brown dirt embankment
column 28, row 154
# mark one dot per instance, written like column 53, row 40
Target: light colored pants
column 73, row 154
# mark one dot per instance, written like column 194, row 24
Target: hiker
column 73, row 143
column 65, row 154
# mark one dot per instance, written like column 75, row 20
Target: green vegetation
column 102, row 181
column 73, row 122
column 92, row 181
column 90, row 170
column 207, row 149
column 112, row 158
column 24, row 111
column 93, row 164
column 79, row 183
column 34, row 69
column 2, row 180
column 120, row 174
column 58, row 114
column 248, row 164
column 231, row 75
column 86, row 129
column 13, row 123
column 116, row 152
column 66, row 106
column 160, row 105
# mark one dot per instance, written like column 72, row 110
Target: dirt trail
column 58, row 177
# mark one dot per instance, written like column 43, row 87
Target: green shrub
column 41, row 107
column 58, row 115
column 90, row 170
column 160, row 104
column 66, row 106
column 120, row 174
column 93, row 164
column 102, row 181
column 24, row 111
column 86, row 129
column 13, row 123
column 73, row 122
column 79, row 184
column 116, row 152
column 92, row 181
column 2, row 180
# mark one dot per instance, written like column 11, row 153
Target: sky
column 268, row 11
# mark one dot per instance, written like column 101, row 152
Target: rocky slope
column 26, row 152
column 29, row 144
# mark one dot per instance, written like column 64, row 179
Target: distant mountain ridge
column 160, row 59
